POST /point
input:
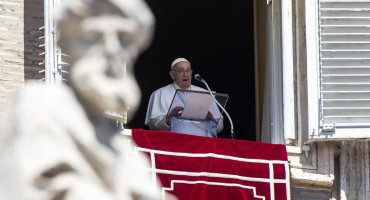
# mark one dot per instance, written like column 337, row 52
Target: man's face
column 181, row 74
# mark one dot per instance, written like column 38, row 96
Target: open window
column 338, row 69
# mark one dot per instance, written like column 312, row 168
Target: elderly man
column 160, row 100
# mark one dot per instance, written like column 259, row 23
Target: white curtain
column 272, row 116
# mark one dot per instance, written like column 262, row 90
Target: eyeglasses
column 188, row 71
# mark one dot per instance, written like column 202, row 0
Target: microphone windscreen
column 197, row 77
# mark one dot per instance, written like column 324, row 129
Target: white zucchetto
column 177, row 60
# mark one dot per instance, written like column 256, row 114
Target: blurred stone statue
column 54, row 141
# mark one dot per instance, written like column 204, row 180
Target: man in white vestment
column 160, row 102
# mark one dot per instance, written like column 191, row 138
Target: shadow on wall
column 33, row 39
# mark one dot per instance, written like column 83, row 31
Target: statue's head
column 102, row 39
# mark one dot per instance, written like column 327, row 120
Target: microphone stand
column 197, row 77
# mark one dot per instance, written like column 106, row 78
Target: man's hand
column 177, row 111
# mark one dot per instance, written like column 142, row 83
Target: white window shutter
column 343, row 67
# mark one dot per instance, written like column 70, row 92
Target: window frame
column 315, row 124
column 53, row 55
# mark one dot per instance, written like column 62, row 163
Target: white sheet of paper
column 197, row 106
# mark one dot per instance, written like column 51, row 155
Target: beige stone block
column 311, row 178
column 11, row 12
column 17, row 84
column 9, row 53
column 8, row 43
column 21, row 12
column 19, row 31
column 17, row 53
column 7, row 65
column 15, row 48
column 8, row 17
column 12, row 38
column 17, row 73
column 16, row 60
column 7, row 90
column 11, row 78
column 15, row 4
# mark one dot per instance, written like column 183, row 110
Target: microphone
column 198, row 78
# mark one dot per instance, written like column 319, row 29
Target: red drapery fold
column 193, row 167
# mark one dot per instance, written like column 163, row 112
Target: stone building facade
column 21, row 45
column 320, row 169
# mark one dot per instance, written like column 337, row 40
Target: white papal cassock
column 160, row 102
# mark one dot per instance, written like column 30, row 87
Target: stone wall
column 332, row 170
column 21, row 44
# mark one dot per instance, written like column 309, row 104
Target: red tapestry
column 193, row 167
